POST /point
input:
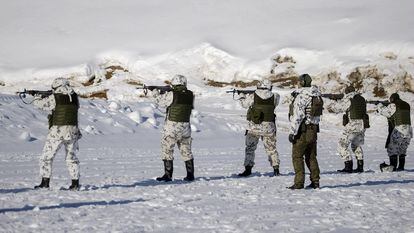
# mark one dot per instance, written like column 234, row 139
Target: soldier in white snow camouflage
column 62, row 106
column 400, row 132
column 355, row 120
column 177, row 129
column 261, row 124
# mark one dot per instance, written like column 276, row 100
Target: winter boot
column 385, row 167
column 394, row 162
column 189, row 166
column 348, row 167
column 43, row 184
column 313, row 185
column 75, row 185
column 401, row 163
column 247, row 171
column 168, row 171
column 360, row 166
column 276, row 170
column 295, row 186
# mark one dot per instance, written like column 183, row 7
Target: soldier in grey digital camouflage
column 355, row 120
column 304, row 126
column 261, row 124
column 63, row 107
column 177, row 129
column 400, row 132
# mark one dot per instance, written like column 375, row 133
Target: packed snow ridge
column 205, row 64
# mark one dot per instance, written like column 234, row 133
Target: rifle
column 333, row 96
column 391, row 127
column 234, row 91
column 376, row 102
column 43, row 94
column 162, row 89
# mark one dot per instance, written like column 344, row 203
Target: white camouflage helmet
column 60, row 82
column 179, row 80
column 265, row 84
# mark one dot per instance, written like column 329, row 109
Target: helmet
column 305, row 80
column 60, row 82
column 264, row 84
column 179, row 80
column 394, row 97
column 349, row 89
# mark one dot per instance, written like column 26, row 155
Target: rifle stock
column 376, row 102
column 162, row 89
column 333, row 96
column 234, row 91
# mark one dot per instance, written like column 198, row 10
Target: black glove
column 292, row 138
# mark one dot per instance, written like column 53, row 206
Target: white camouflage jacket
column 388, row 111
column 48, row 104
column 247, row 101
column 164, row 101
column 303, row 101
column 343, row 105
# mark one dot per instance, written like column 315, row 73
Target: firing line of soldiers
column 305, row 113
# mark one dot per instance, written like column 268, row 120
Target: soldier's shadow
column 154, row 182
column 144, row 183
column 370, row 183
column 71, row 205
column 17, row 190
column 345, row 173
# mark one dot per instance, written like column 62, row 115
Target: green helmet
column 305, row 80
column 394, row 97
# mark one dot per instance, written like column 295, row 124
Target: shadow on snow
column 370, row 183
column 71, row 205
column 153, row 182
column 18, row 190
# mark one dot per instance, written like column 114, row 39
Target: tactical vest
column 316, row 107
column 262, row 110
column 358, row 108
column 66, row 111
column 180, row 109
column 402, row 113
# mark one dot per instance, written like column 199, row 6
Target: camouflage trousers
column 50, row 149
column 306, row 147
column 398, row 144
column 269, row 141
column 356, row 140
column 176, row 133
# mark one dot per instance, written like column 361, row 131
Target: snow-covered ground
column 120, row 159
column 220, row 41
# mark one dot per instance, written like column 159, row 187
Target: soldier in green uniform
column 304, row 126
